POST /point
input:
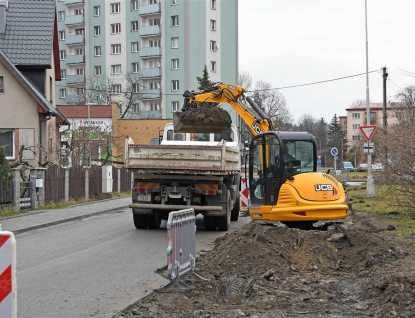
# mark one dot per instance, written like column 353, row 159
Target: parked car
column 377, row 166
column 362, row 167
column 347, row 165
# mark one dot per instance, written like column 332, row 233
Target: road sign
column 367, row 131
column 319, row 157
column 334, row 151
column 318, row 161
column 368, row 147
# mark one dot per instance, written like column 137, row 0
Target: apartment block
column 165, row 44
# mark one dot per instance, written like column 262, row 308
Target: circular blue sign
column 334, row 151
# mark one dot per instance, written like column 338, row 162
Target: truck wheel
column 140, row 221
column 210, row 223
column 235, row 210
column 153, row 220
column 224, row 222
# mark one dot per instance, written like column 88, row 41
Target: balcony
column 75, row 39
column 149, row 9
column 70, row 2
column 151, row 72
column 150, row 30
column 151, row 94
column 150, row 51
column 74, row 19
column 75, row 79
column 75, row 59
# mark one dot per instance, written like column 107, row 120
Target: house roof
column 31, row 88
column 81, row 111
column 375, row 106
column 29, row 32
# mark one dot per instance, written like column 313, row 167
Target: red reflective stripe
column 3, row 239
column 6, row 283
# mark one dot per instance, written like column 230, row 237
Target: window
column 7, row 140
column 175, row 85
column 116, row 69
column 175, row 64
column 134, row 26
column 399, row 115
column 97, row 70
column 79, row 11
column 63, row 74
column 344, row 122
column 134, row 5
column 116, row 89
column 174, row 2
column 154, row 106
column 154, row 43
column 154, row 1
column 213, row 46
column 134, row 67
column 175, row 20
column 62, row 92
column 116, row 49
column 356, row 138
column 355, row 115
column 80, row 71
column 174, row 43
column 213, row 25
column 97, row 11
column 61, row 35
column 154, row 64
column 155, row 21
column 79, row 31
column 80, row 90
column 62, row 55
column 175, row 106
column 61, row 15
column 97, row 30
column 1, row 84
column 134, row 47
column 115, row 28
column 115, row 7
column 136, row 108
column 80, row 51
column 135, row 88
column 356, row 126
column 97, row 50
column 213, row 4
column 213, row 66
column 154, row 85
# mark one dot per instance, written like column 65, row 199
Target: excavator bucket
column 202, row 120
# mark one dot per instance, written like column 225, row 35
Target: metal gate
column 25, row 197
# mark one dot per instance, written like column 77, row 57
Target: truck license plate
column 144, row 197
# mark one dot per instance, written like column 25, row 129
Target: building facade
column 108, row 45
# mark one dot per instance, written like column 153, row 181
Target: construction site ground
column 360, row 268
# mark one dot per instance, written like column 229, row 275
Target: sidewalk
column 43, row 218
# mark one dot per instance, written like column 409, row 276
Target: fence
column 124, row 177
column 55, row 184
column 6, row 191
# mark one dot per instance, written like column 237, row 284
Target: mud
column 202, row 119
column 354, row 269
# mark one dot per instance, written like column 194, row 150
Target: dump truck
column 186, row 170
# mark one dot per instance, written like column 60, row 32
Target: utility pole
column 385, row 116
column 370, row 183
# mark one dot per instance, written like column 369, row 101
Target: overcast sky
column 293, row 42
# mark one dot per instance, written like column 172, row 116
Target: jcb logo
column 323, row 187
column 256, row 128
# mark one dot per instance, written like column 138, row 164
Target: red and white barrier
column 244, row 195
column 8, row 292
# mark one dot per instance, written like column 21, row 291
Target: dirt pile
column 202, row 120
column 269, row 270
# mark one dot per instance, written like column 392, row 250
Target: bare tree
column 245, row 80
column 358, row 102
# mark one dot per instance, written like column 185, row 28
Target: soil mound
column 202, row 120
column 269, row 270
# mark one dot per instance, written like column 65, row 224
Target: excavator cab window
column 226, row 135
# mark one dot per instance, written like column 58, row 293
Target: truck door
column 264, row 173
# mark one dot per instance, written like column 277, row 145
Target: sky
column 294, row 42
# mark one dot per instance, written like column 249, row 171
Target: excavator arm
column 231, row 94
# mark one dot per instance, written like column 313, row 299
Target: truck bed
column 183, row 159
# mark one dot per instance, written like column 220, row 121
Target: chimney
column 4, row 5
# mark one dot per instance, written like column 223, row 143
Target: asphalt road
column 93, row 267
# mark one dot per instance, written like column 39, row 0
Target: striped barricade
column 8, row 291
column 244, row 195
column 181, row 251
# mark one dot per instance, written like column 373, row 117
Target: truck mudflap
column 215, row 210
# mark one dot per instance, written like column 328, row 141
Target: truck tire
column 210, row 223
column 224, row 222
column 235, row 210
column 140, row 221
column 153, row 220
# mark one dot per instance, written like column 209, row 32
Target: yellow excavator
column 284, row 184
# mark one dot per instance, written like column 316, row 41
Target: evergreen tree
column 204, row 83
column 335, row 135
column 321, row 132
column 4, row 166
